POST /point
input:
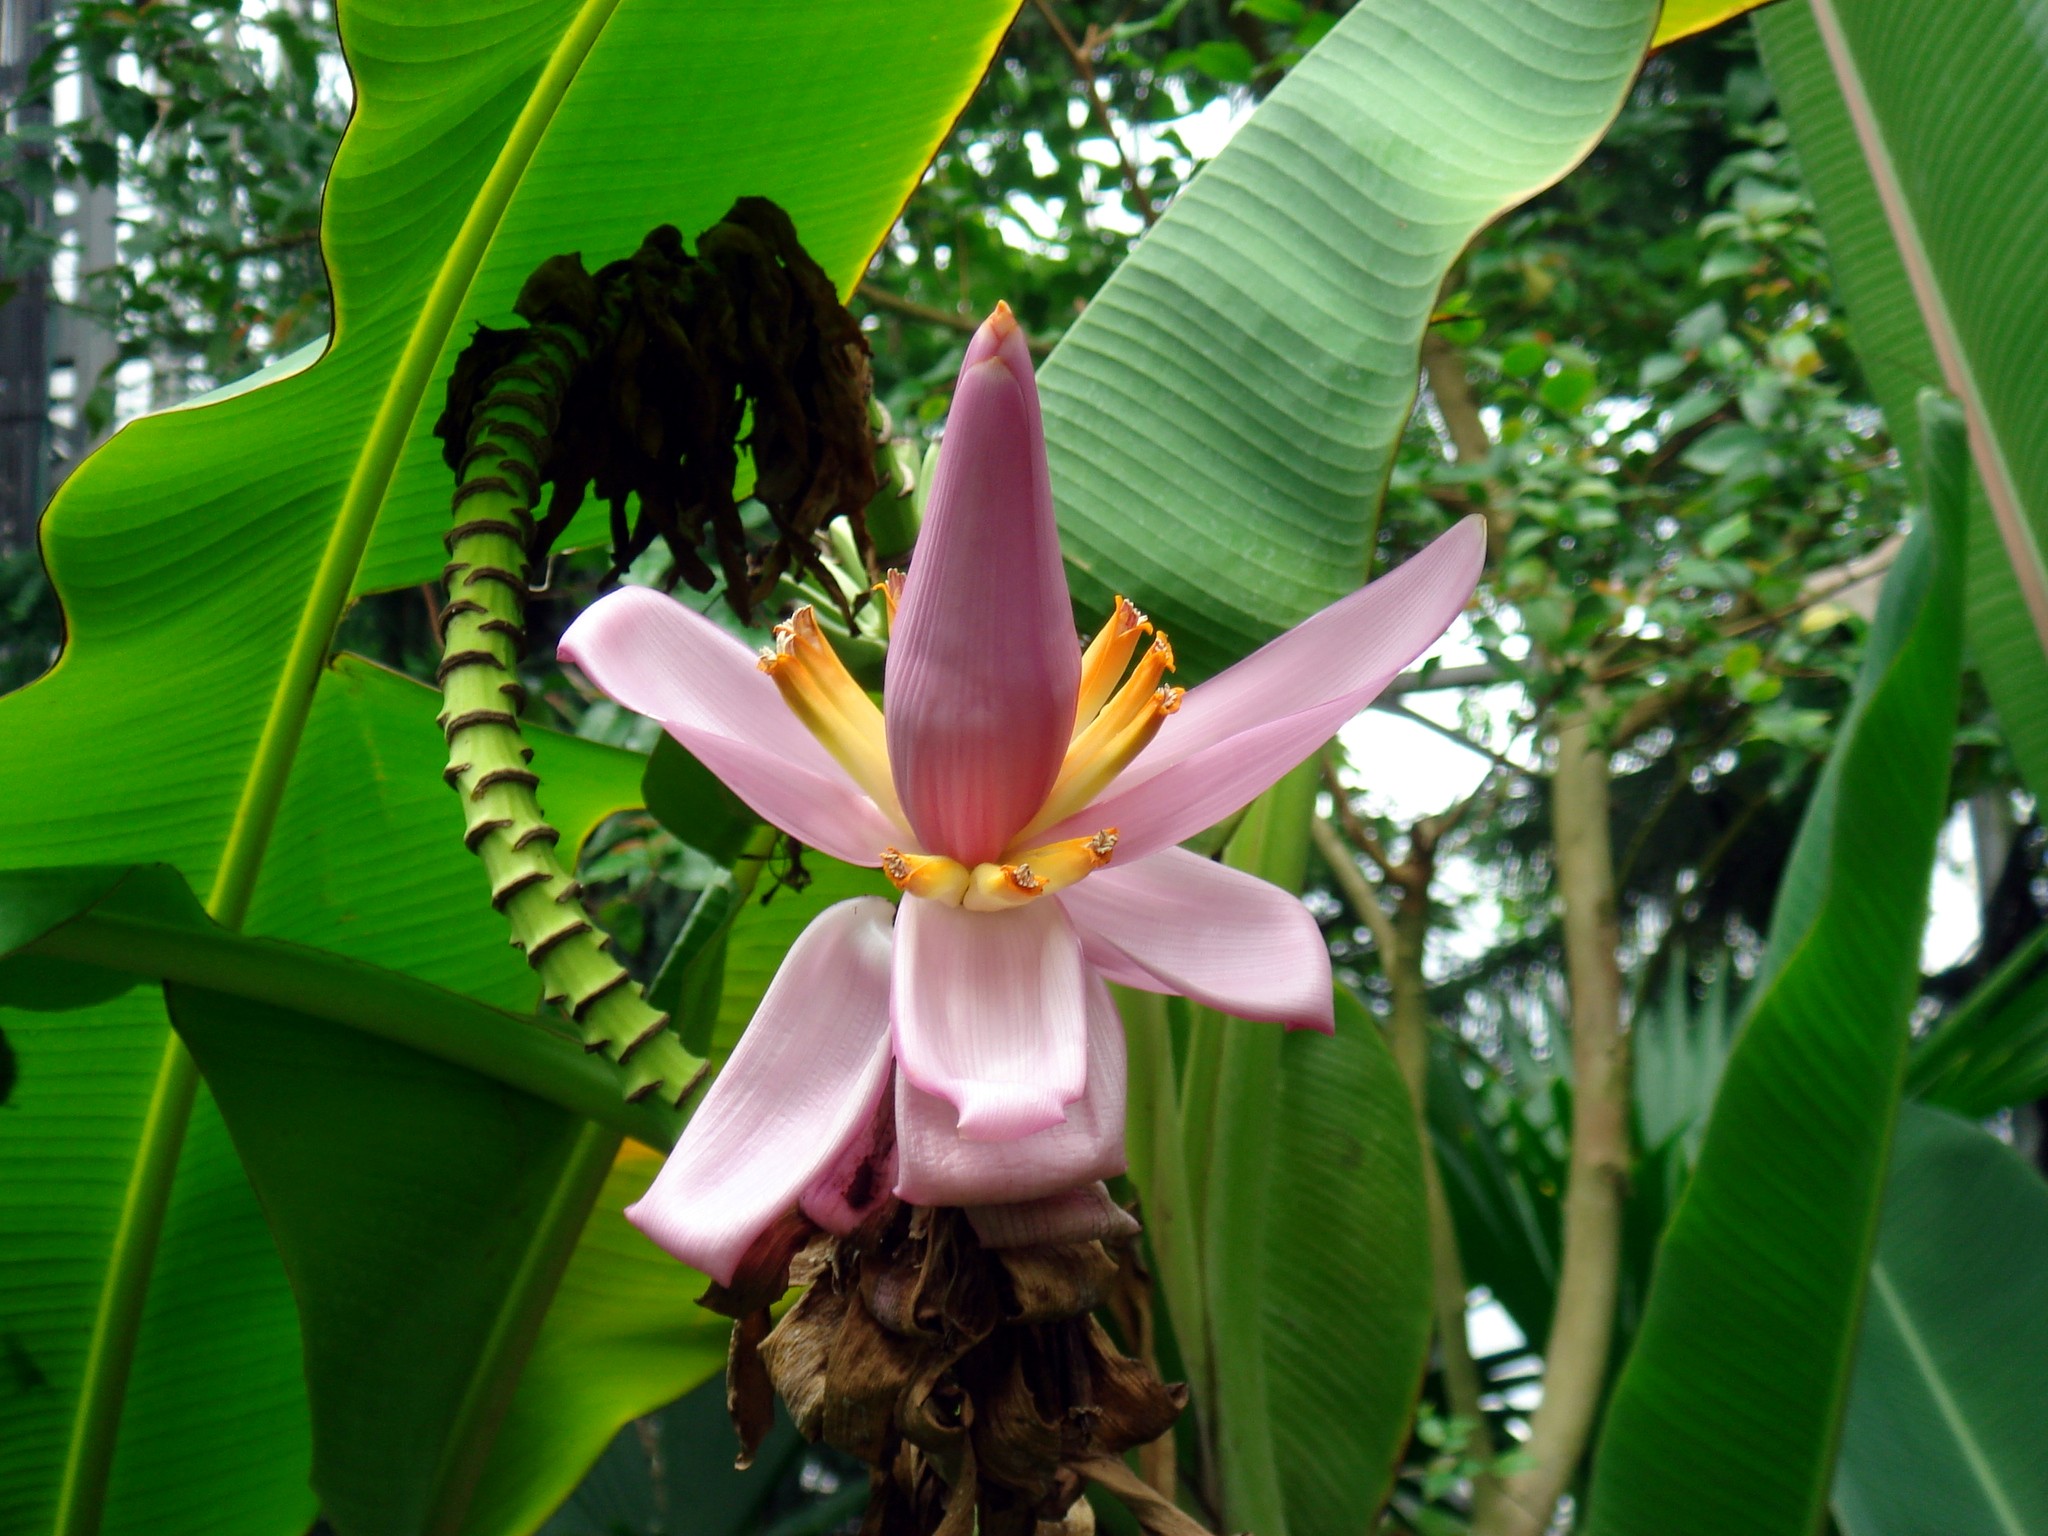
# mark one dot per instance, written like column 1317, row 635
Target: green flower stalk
column 482, row 632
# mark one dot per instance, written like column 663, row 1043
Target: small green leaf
column 1524, row 359
column 1567, row 391
column 1230, row 63
column 1725, row 535
column 693, row 802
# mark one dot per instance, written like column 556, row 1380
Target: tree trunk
column 1575, row 1368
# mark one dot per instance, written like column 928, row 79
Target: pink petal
column 1074, row 1216
column 661, row 659
column 938, row 1166
column 803, row 1084
column 1180, row 923
column 984, row 665
column 860, row 1179
column 990, row 1013
column 1234, row 735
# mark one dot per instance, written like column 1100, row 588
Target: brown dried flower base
column 975, row 1382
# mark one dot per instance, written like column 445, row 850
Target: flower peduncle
column 482, row 630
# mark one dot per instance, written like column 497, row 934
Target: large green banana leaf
column 1728, row 1408
column 1924, row 138
column 1944, row 1429
column 1222, row 417
column 205, row 558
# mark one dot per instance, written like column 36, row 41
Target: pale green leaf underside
column 1944, row 1429
column 1222, row 417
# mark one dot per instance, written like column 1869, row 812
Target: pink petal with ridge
column 661, row 659
column 984, row 665
column 1180, row 923
column 990, row 1014
column 802, row 1086
column 937, row 1166
column 1236, row 734
column 863, row 1175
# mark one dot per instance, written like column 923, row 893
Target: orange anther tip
column 1001, row 321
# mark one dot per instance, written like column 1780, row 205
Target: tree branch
column 1396, row 707
column 1084, row 71
column 931, row 314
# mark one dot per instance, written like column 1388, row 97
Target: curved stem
column 482, row 631
column 82, row 1490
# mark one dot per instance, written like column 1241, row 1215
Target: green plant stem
column 82, row 1491
column 1400, row 944
column 482, row 631
column 1582, row 1325
column 1159, row 1165
column 549, row 1246
column 1272, row 843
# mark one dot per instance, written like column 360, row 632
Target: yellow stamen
column 926, row 874
column 1106, row 657
column 997, row 887
column 1095, row 757
column 822, row 693
column 891, row 589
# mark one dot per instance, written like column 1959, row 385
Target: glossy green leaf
column 1223, row 415
column 217, row 1437
column 1915, row 179
column 1991, row 1053
column 93, row 929
column 302, row 799
column 424, row 1214
column 625, row 1335
column 1944, row 1427
column 1733, row 1426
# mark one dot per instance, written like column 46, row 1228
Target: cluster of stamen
column 1120, row 709
column 997, row 887
column 822, row 693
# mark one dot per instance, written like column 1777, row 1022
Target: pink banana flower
column 1026, row 795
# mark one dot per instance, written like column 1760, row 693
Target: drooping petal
column 802, row 1085
column 984, row 665
column 849, row 1190
column 990, row 1013
column 1234, row 735
column 937, row 1166
column 661, row 659
column 1177, row 922
column 1075, row 1216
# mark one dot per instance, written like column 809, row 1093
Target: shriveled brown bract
column 975, row 1382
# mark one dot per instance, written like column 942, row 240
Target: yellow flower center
column 1116, row 716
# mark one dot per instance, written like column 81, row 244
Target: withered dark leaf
column 678, row 350
column 749, row 1395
